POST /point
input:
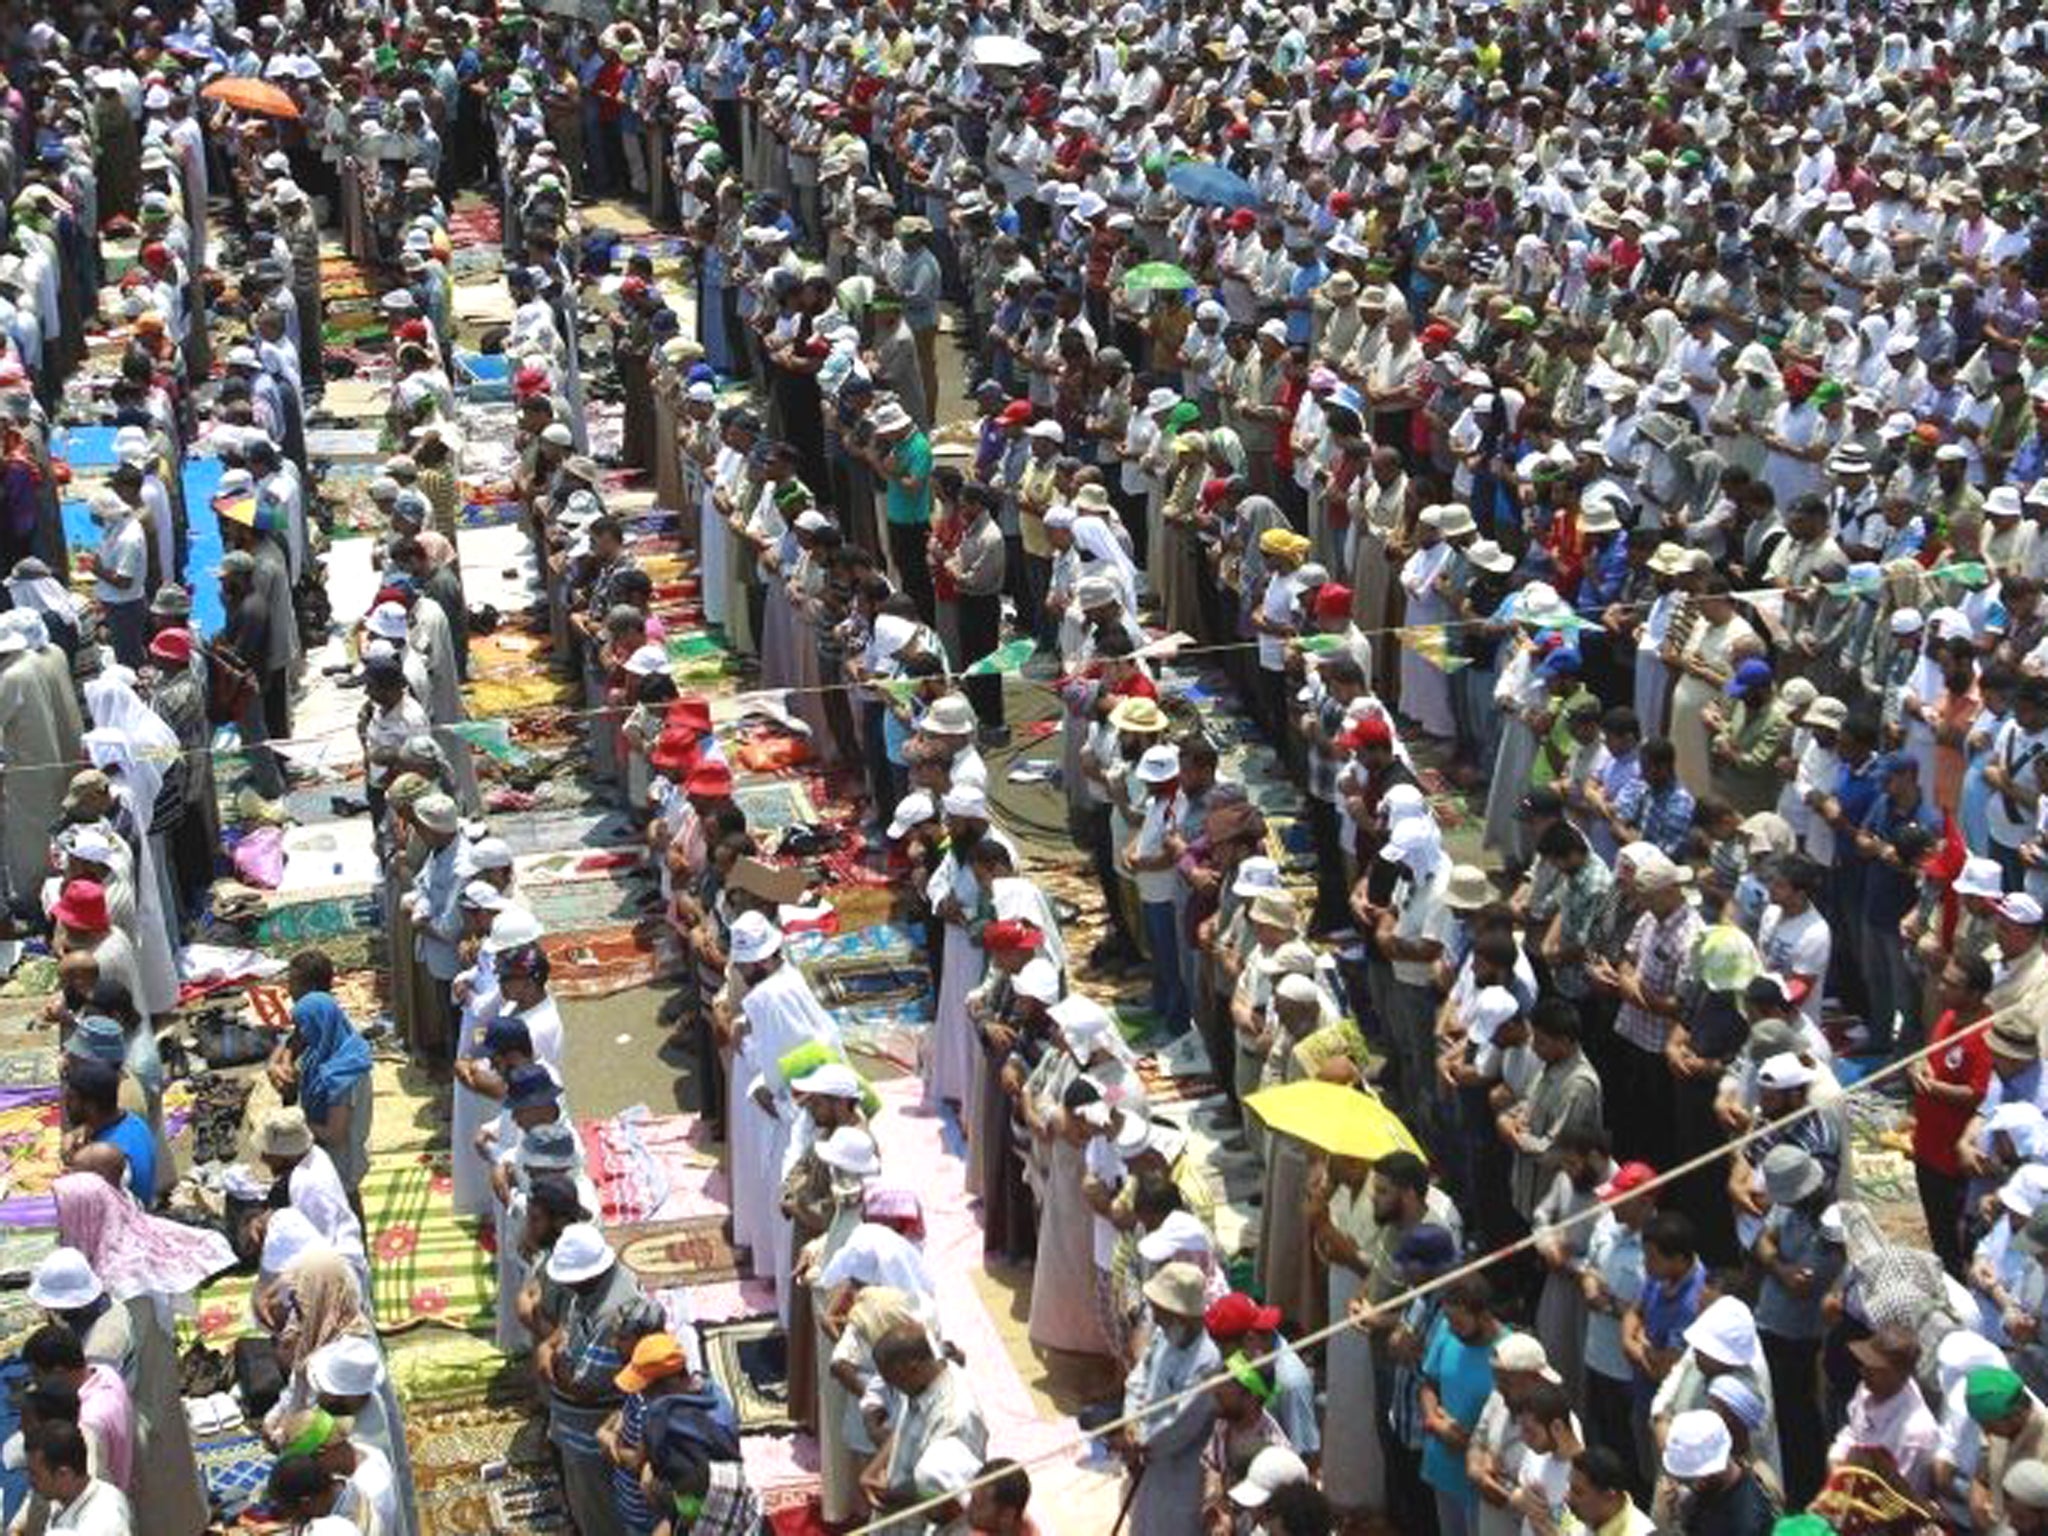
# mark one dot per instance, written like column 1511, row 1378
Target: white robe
column 1425, row 687
column 782, row 1015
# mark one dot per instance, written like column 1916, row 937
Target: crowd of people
column 1526, row 524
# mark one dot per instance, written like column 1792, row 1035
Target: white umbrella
column 995, row 52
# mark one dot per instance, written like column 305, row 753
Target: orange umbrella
column 245, row 95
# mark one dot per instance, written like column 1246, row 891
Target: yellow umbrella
column 1332, row 1118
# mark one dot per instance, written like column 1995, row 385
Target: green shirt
column 912, row 459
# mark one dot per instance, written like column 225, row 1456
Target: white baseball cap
column 1271, row 1470
column 513, row 928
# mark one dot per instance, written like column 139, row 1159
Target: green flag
column 1003, row 659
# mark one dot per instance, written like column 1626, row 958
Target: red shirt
column 1938, row 1123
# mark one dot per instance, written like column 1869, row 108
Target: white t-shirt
column 1104, row 1164
column 1277, row 607
column 124, row 551
column 1548, row 1475
column 2018, row 752
column 1424, row 914
column 1161, row 817
column 1797, row 946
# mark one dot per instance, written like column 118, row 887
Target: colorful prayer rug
column 751, row 1361
column 667, row 1254
column 775, row 804
column 235, row 1468
column 426, row 1264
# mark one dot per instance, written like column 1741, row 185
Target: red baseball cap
column 1235, row 1315
column 1372, row 731
column 1332, row 601
column 1010, row 935
column 690, row 713
column 711, row 780
column 1626, row 1180
column 1016, row 414
column 1243, row 220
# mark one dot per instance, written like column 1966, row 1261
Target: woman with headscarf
column 135, row 749
column 148, row 1266
column 334, row 1084
column 315, row 1301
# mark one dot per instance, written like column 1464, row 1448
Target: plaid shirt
column 1581, row 902
column 1324, row 763
column 1660, row 952
column 730, row 1508
column 1404, row 1409
column 1662, row 818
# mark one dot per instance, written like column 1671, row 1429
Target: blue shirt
column 1662, row 816
column 131, row 1134
column 1604, row 579
column 1889, row 893
column 1667, row 1313
column 1463, row 1377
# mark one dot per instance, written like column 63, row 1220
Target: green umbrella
column 1158, row 274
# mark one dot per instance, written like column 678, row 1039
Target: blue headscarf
column 333, row 1057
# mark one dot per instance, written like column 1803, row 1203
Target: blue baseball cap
column 1754, row 673
column 1560, row 664
column 502, row 1035
column 1427, row 1248
column 530, row 1086
column 1897, row 762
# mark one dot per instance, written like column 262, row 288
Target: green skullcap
column 1991, row 1392
column 318, row 1431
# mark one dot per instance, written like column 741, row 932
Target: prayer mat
column 606, row 962
column 36, row 976
column 411, row 1114
column 296, row 925
column 667, row 1254
column 447, row 1373
column 775, row 804
column 21, row 1249
column 604, row 902
column 751, row 1361
column 875, row 968
column 426, row 1264
column 29, row 1134
column 451, row 1445
column 235, row 1468
column 651, row 1168
column 223, row 1314
column 467, row 1501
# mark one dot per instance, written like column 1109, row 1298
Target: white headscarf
column 42, row 594
column 877, row 1255
column 1019, row 900
column 129, row 736
column 1101, row 554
